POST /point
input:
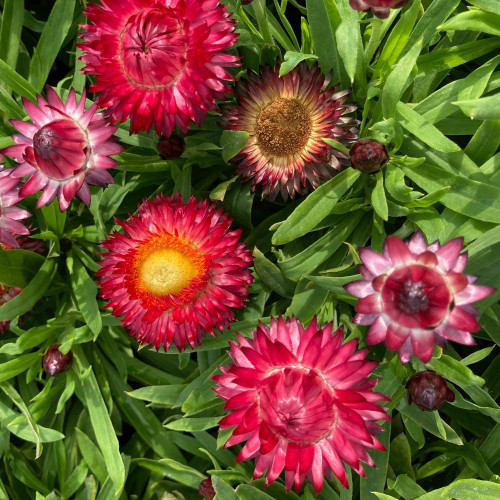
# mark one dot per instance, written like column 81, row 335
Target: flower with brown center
column 287, row 119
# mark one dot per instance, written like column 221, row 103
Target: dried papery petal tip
column 428, row 390
column 54, row 362
column 415, row 295
column 206, row 490
column 171, row 147
column 368, row 156
column 302, row 401
column 287, row 119
column 159, row 64
column 380, row 8
column 63, row 151
column 177, row 272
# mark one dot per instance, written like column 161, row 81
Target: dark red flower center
column 416, row 296
column 283, row 127
column 297, row 404
column 153, row 47
column 60, row 149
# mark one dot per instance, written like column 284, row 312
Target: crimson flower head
column 415, row 295
column 63, row 150
column 380, row 8
column 428, row 390
column 176, row 273
column 10, row 214
column 368, row 156
column 206, row 490
column 54, row 362
column 160, row 63
column 287, row 119
column 302, row 400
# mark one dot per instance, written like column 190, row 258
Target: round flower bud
column 368, row 156
column 171, row 147
column 428, row 390
column 206, row 489
column 55, row 362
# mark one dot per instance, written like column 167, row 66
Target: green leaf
column 85, row 291
column 292, row 59
column 173, row 470
column 162, row 394
column 16, row 82
column 232, row 142
column 50, row 41
column 10, row 31
column 92, row 456
column 455, row 371
column 271, row 275
column 222, row 490
column 486, row 108
column 471, row 198
column 472, row 489
column 315, row 207
column 378, row 199
column 18, row 267
column 74, row 481
column 101, row 423
column 129, row 162
column 398, row 80
column 54, row 218
column 219, row 192
column 474, row 20
column 193, row 424
column 488, row 5
column 248, row 492
column 35, row 290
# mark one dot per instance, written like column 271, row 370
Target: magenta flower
column 64, row 150
column 380, row 8
column 415, row 295
column 10, row 214
column 303, row 401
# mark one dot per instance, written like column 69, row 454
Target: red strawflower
column 177, row 272
column 10, row 214
column 158, row 62
column 302, row 401
column 428, row 390
column 287, row 119
column 381, row 8
column 416, row 295
column 64, row 150
column 206, row 490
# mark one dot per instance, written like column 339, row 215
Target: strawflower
column 380, row 8
column 287, row 119
column 63, row 150
column 10, row 214
column 159, row 63
column 303, row 402
column 428, row 390
column 368, row 156
column 415, row 296
column 176, row 273
column 54, row 362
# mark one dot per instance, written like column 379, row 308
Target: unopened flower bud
column 55, row 362
column 380, row 8
column 171, row 147
column 428, row 390
column 368, row 156
column 206, row 489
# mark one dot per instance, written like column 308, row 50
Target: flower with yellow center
column 287, row 119
column 177, row 272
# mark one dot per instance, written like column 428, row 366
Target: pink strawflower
column 302, row 401
column 64, row 150
column 176, row 273
column 415, row 295
column 10, row 214
column 159, row 63
column 287, row 119
column 380, row 8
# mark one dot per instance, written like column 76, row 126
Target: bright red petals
column 160, row 64
column 304, row 408
column 176, row 273
column 416, row 295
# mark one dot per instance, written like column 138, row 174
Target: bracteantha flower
column 287, row 119
column 380, row 8
column 302, row 401
column 10, row 214
column 64, row 150
column 176, row 272
column 415, row 295
column 159, row 62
